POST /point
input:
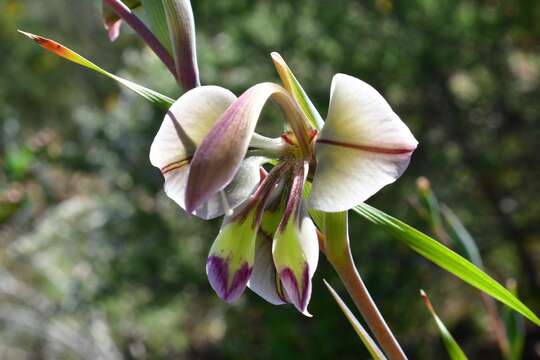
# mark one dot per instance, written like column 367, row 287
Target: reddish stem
column 364, row 302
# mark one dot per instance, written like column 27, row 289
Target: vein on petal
column 175, row 165
column 368, row 148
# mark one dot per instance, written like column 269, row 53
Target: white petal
column 242, row 186
column 187, row 122
column 239, row 189
column 362, row 147
column 309, row 243
column 263, row 277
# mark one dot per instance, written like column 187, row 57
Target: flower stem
column 357, row 290
column 151, row 40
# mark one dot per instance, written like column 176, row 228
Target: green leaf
column 369, row 343
column 295, row 89
column 155, row 14
column 452, row 347
column 429, row 202
column 514, row 326
column 461, row 237
column 444, row 257
column 62, row 51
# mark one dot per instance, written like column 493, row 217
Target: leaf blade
column 68, row 54
column 445, row 258
column 452, row 347
column 368, row 342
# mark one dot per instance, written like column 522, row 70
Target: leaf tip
column 426, row 300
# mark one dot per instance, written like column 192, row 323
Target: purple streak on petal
column 298, row 294
column 295, row 194
column 217, row 269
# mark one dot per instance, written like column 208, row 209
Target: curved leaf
column 370, row 344
column 452, row 347
column 62, row 51
column 445, row 258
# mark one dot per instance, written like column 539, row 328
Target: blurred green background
column 96, row 262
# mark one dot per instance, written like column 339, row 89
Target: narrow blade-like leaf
column 369, row 343
column 451, row 345
column 62, row 51
column 515, row 328
column 445, row 258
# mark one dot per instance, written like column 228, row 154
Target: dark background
column 96, row 261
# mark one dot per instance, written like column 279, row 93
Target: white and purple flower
column 212, row 159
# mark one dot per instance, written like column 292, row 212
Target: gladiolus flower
column 211, row 158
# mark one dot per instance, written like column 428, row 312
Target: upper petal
column 218, row 157
column 362, row 147
column 187, row 122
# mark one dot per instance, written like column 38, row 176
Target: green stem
column 356, row 288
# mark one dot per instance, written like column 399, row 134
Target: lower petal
column 263, row 280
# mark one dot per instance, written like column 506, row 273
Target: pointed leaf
column 452, row 347
column 369, row 343
column 62, row 51
column 295, row 89
column 181, row 25
column 444, row 257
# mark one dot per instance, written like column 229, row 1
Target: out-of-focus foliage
column 96, row 261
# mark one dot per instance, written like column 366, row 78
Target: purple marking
column 217, row 269
column 374, row 149
column 299, row 296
